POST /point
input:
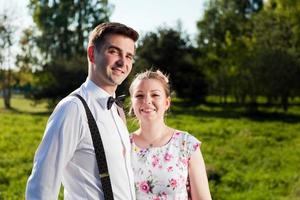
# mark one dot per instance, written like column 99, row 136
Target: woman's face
column 149, row 100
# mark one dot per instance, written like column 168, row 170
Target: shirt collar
column 97, row 92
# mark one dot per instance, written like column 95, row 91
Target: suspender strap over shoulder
column 99, row 151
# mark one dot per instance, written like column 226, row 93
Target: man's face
column 112, row 61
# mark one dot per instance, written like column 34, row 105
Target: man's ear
column 90, row 52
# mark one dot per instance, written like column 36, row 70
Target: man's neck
column 107, row 88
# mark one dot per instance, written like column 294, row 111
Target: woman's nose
column 148, row 100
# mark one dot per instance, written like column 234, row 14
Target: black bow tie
column 119, row 101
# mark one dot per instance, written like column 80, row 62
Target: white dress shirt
column 66, row 153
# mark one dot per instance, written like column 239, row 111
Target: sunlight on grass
column 247, row 156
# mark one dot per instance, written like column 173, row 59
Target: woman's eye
column 138, row 96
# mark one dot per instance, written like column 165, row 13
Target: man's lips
column 118, row 70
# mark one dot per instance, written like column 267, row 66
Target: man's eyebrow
column 111, row 46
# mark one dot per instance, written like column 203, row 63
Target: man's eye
column 129, row 57
column 113, row 51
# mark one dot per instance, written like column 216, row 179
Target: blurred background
column 234, row 67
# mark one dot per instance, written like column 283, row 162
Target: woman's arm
column 198, row 177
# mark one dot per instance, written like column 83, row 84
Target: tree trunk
column 7, row 90
column 285, row 103
column 6, row 98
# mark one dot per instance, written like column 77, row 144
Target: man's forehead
column 117, row 37
column 122, row 45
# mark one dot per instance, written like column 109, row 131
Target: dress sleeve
column 57, row 147
column 193, row 144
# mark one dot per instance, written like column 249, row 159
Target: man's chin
column 117, row 82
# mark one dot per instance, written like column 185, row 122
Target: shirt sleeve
column 59, row 142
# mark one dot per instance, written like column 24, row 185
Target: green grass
column 252, row 156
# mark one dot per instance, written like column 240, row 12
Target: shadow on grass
column 211, row 110
column 234, row 111
column 18, row 111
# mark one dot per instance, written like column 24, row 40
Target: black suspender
column 99, row 151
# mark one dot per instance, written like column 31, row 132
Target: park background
column 235, row 85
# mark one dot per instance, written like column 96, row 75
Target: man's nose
column 120, row 62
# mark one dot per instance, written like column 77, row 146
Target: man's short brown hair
column 100, row 31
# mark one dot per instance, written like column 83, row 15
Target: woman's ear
column 90, row 52
column 168, row 103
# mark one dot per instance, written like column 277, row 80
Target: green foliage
column 64, row 28
column 65, row 24
column 251, row 50
column 277, row 66
column 59, row 78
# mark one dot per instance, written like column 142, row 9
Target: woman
column 162, row 157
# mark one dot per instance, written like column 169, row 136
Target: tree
column 277, row 54
column 252, row 49
column 64, row 27
column 224, row 39
column 27, row 61
column 6, row 42
column 170, row 51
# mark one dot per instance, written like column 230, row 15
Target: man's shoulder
column 69, row 104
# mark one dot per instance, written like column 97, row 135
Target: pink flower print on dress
column 173, row 183
column 176, row 135
column 184, row 161
column 155, row 160
column 164, row 196
column 195, row 146
column 168, row 157
column 160, row 196
column 156, row 198
column 170, row 169
column 145, row 187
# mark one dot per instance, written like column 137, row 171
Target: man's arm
column 56, row 149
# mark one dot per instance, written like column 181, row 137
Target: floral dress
column 161, row 172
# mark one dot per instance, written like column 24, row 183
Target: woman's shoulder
column 185, row 136
column 186, row 142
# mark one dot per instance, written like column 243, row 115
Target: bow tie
column 119, row 101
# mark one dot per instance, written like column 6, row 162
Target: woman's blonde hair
column 149, row 74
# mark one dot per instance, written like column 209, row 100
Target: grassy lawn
column 248, row 156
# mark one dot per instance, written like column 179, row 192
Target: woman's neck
column 150, row 129
column 153, row 134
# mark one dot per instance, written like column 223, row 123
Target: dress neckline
column 156, row 147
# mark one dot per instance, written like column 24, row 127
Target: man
column 66, row 154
